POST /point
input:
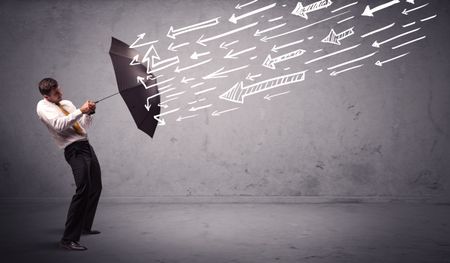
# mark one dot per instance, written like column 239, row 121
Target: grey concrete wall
column 372, row 131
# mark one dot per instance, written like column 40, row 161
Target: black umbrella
column 142, row 102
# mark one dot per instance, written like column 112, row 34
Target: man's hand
column 87, row 107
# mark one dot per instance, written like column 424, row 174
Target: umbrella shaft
column 97, row 101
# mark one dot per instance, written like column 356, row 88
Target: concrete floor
column 149, row 232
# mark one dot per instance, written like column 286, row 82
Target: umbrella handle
column 97, row 101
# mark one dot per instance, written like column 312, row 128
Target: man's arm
column 53, row 119
column 58, row 123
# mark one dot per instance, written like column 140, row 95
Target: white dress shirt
column 60, row 125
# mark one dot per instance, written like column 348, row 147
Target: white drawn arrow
column 276, row 48
column 175, row 32
column 164, row 105
column 302, row 11
column 202, row 41
column 238, row 92
column 369, row 11
column 252, row 77
column 186, row 80
column 334, row 38
column 186, row 117
column 162, row 121
column 270, row 62
column 225, row 45
column 266, row 38
column 234, row 55
column 154, row 64
column 269, row 97
column 218, row 113
column 234, row 18
column 406, row 12
column 239, row 6
column 139, row 37
column 199, row 108
column 174, row 48
column 196, row 55
column 178, row 69
column 148, row 105
column 380, row 63
column 222, row 74
column 135, row 60
column 335, row 73
column 259, row 32
column 378, row 44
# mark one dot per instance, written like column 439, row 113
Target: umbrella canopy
column 142, row 102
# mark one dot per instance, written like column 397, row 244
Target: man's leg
column 95, row 190
column 80, row 168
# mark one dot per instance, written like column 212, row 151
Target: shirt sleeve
column 86, row 120
column 53, row 119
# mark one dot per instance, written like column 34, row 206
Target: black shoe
column 71, row 245
column 90, row 232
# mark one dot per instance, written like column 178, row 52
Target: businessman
column 67, row 125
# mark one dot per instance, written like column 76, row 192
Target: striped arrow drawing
column 369, row 11
column 270, row 62
column 175, row 32
column 238, row 92
column 334, row 38
column 302, row 11
column 234, row 18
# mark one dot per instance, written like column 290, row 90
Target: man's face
column 55, row 95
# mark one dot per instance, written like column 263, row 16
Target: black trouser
column 86, row 170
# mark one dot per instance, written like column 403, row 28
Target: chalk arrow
column 410, row 1
column 140, row 37
column 174, row 48
column 222, row 74
column 218, row 113
column 148, row 105
column 378, row 44
column 259, row 32
column 302, row 11
column 225, row 45
column 269, row 97
column 196, row 55
column 234, row 55
column 135, row 61
column 186, row 81
column 380, row 63
column 369, row 11
column 154, row 64
column 178, row 69
column 252, row 77
column 175, row 32
column 270, row 62
column 276, row 48
column 202, row 40
column 186, row 117
column 239, row 6
column 238, row 92
column 334, row 38
column 162, row 121
column 234, row 18
column 406, row 12
column 199, row 108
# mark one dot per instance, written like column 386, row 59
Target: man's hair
column 46, row 85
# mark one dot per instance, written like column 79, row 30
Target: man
column 67, row 125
